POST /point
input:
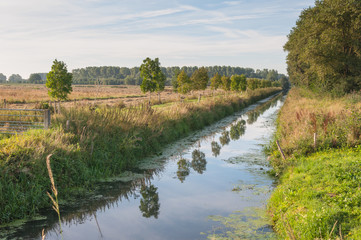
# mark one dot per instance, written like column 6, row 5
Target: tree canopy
column 200, row 79
column 184, row 83
column 58, row 81
column 15, row 78
column 35, row 78
column 2, row 78
column 324, row 48
column 153, row 77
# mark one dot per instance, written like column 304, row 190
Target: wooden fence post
column 280, row 149
column 314, row 140
column 67, row 125
column 47, row 119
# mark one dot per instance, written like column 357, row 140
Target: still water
column 213, row 183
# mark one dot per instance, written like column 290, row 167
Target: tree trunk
column 199, row 97
column 150, row 98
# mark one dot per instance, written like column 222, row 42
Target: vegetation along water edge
column 98, row 142
column 319, row 194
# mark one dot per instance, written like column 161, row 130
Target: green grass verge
column 319, row 197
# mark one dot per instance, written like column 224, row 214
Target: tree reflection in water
column 216, row 148
column 199, row 161
column 238, row 130
column 183, row 169
column 224, row 138
column 149, row 203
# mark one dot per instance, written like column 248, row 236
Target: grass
column 101, row 142
column 318, row 196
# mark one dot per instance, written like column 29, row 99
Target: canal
column 213, row 184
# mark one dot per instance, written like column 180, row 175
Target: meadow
column 29, row 96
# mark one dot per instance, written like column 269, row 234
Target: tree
column 15, row 78
column 174, row 81
column 243, row 83
column 35, row 78
column 324, row 51
column 252, row 83
column 238, row 83
column 226, row 83
column 285, row 84
column 199, row 80
column 216, row 81
column 153, row 77
column 2, row 78
column 184, row 83
column 58, row 81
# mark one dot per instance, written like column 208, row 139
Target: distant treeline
column 131, row 76
column 108, row 75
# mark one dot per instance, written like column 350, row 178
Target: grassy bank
column 319, row 195
column 99, row 142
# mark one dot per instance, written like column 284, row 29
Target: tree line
column 324, row 48
column 131, row 76
column 153, row 80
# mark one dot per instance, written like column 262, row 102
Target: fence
column 13, row 121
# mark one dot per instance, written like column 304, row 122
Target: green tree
column 252, row 83
column 184, row 83
column 199, row 80
column 174, row 81
column 238, row 83
column 15, row 78
column 153, row 77
column 216, row 81
column 35, row 78
column 324, row 50
column 2, row 78
column 284, row 82
column 58, row 81
column 226, row 83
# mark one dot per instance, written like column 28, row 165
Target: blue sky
column 122, row 33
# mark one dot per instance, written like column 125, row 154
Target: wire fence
column 15, row 121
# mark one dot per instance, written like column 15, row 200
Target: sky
column 122, row 33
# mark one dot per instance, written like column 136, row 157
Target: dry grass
column 302, row 116
column 27, row 95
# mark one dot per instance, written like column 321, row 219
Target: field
column 28, row 95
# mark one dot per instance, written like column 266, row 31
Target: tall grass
column 336, row 122
column 100, row 142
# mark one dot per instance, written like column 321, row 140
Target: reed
column 55, row 201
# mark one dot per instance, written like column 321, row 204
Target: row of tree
column 154, row 80
column 38, row 78
column 324, row 48
column 132, row 76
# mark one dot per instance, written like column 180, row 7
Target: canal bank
column 188, row 191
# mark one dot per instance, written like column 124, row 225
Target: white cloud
column 95, row 32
